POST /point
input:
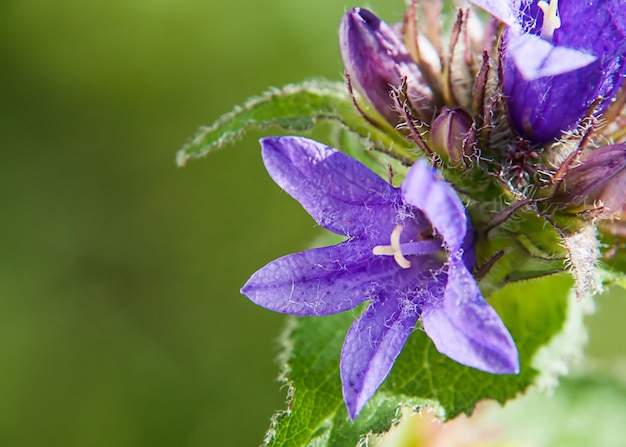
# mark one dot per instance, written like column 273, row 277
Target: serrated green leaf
column 296, row 108
column 534, row 311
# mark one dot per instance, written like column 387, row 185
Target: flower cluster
column 531, row 100
column 525, row 101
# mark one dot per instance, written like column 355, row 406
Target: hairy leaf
column 534, row 311
column 296, row 108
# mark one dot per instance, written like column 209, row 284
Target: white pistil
column 394, row 249
column 551, row 20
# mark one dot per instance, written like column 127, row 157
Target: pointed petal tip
column 506, row 363
column 353, row 409
column 283, row 142
column 294, row 147
column 268, row 141
column 492, row 351
column 356, row 24
column 271, row 143
column 515, row 369
column 467, row 329
column 370, row 349
column 512, row 366
column 355, row 401
column 269, row 147
column 246, row 289
column 250, row 288
column 360, row 14
column 250, row 291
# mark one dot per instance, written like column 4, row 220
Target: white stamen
column 394, row 249
column 551, row 21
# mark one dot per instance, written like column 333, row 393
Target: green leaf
column 534, row 311
column 529, row 249
column 297, row 108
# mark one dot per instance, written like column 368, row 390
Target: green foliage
column 530, row 249
column 296, row 108
column 534, row 311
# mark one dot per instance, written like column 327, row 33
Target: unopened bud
column 449, row 133
column 378, row 61
column 597, row 185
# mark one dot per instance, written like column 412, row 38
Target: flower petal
column 594, row 26
column 426, row 190
column 371, row 346
column 320, row 281
column 535, row 57
column 506, row 11
column 340, row 193
column 467, row 329
column 551, row 83
column 542, row 109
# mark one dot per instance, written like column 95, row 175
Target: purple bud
column 597, row 184
column 377, row 61
column 448, row 134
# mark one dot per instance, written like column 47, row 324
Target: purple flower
column 559, row 58
column 378, row 61
column 408, row 252
column 596, row 183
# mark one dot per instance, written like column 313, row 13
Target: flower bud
column 597, row 184
column 448, row 133
column 377, row 61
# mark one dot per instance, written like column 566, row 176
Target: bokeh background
column 121, row 323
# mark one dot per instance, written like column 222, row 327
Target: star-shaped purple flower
column 560, row 58
column 408, row 252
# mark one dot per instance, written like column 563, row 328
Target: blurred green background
column 121, row 323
